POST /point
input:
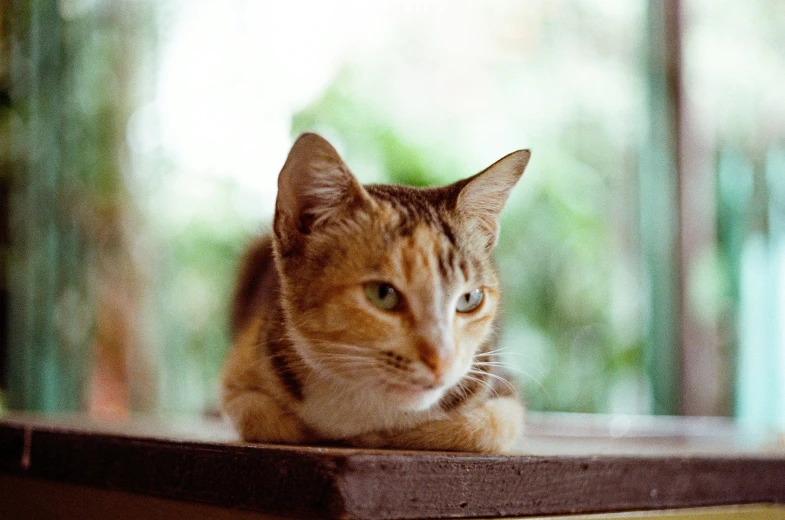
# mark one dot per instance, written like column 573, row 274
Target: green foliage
column 194, row 288
column 369, row 139
column 557, row 259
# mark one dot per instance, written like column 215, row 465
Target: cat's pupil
column 383, row 295
column 469, row 301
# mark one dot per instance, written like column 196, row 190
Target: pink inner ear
column 313, row 179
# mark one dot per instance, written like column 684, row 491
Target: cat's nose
column 436, row 355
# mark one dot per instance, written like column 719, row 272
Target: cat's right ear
column 314, row 187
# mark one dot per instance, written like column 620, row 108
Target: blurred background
column 642, row 255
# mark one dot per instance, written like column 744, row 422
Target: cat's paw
column 258, row 418
column 499, row 425
column 495, row 426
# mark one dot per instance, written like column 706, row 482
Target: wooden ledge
column 631, row 468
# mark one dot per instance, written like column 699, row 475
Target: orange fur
column 315, row 359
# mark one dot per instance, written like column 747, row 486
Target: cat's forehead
column 413, row 208
column 424, row 238
column 421, row 217
column 411, row 199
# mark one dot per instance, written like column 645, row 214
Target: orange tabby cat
column 368, row 317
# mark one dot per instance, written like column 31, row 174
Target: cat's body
column 368, row 317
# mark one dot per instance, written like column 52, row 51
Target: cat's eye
column 383, row 295
column 469, row 301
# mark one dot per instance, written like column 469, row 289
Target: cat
column 368, row 316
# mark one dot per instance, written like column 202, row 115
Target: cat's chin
column 413, row 397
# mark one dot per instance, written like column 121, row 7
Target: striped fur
column 314, row 360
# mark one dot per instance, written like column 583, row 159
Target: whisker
column 336, row 344
column 505, row 366
column 461, row 387
column 539, row 384
column 340, row 357
column 499, row 378
column 499, row 351
column 482, row 382
column 504, row 352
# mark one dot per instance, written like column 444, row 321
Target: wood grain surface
column 205, row 466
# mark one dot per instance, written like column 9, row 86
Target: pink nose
column 436, row 356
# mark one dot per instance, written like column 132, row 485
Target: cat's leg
column 258, row 418
column 493, row 427
column 247, row 401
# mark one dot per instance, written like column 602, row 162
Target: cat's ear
column 481, row 198
column 314, row 187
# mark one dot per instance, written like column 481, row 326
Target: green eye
column 469, row 301
column 383, row 295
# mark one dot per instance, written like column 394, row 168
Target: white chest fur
column 340, row 410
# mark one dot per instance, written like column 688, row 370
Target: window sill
column 574, row 465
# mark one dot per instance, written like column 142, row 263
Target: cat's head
column 388, row 288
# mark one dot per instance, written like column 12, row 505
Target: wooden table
column 75, row 466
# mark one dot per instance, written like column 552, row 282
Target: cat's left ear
column 482, row 197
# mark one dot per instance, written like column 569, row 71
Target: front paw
column 258, row 418
column 500, row 426
column 493, row 427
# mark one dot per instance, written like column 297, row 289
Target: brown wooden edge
column 274, row 480
column 343, row 483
